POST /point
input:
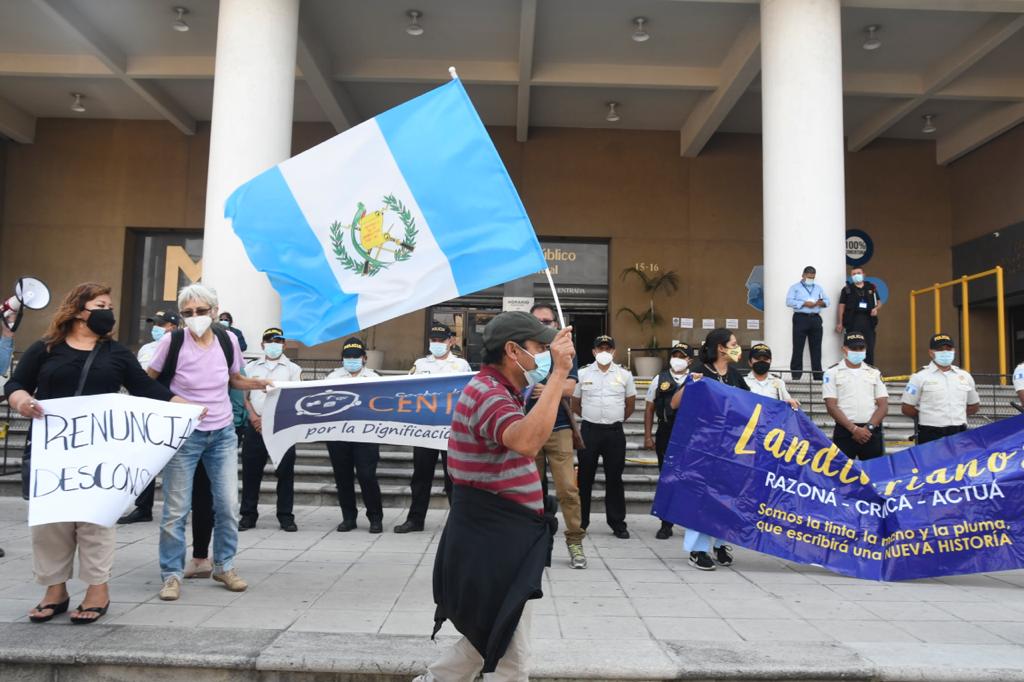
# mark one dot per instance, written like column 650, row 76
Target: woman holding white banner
column 75, row 357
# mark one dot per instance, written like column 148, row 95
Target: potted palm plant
column 667, row 282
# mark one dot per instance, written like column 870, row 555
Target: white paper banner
column 93, row 455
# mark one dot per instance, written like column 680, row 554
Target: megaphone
column 30, row 293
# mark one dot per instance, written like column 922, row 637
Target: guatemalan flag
column 409, row 209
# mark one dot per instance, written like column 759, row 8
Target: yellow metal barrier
column 966, row 330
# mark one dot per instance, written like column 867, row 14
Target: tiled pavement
column 640, row 590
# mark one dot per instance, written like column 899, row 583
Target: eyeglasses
column 198, row 311
column 547, row 323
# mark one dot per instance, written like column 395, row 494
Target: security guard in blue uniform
column 659, row 395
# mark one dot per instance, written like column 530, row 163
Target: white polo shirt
column 1018, row 378
column 603, row 395
column 855, row 389
column 451, row 364
column 281, row 369
column 771, row 386
column 342, row 373
column 941, row 398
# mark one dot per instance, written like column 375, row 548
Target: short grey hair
column 197, row 292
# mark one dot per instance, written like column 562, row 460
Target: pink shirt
column 202, row 377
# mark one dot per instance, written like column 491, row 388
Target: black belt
column 608, row 427
column 806, row 314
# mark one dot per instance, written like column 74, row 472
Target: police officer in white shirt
column 273, row 365
column 440, row 360
column 857, row 400
column 941, row 396
column 604, row 397
column 362, row 458
column 659, row 395
column 164, row 322
column 761, row 382
column 1018, row 381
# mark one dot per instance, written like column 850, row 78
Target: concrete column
column 804, row 192
column 251, row 130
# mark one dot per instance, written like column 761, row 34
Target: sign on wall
column 859, row 248
column 161, row 262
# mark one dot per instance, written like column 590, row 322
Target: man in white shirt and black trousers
column 857, row 400
column 941, row 396
column 605, row 397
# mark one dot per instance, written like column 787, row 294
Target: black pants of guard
column 361, row 458
column 254, row 459
column 608, row 443
column 806, row 328
column 864, row 324
column 843, row 439
column 424, row 463
column 926, row 434
column 661, row 437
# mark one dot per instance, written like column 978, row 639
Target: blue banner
column 754, row 472
column 400, row 410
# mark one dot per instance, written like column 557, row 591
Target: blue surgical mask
column 944, row 358
column 438, row 349
column 808, row 281
column 225, row 323
column 857, row 278
column 157, row 332
column 540, row 373
column 856, row 356
column 273, row 350
column 352, row 365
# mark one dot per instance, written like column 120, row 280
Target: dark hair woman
column 76, row 356
column 718, row 355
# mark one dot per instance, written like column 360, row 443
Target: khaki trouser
column 53, row 552
column 462, row 662
column 559, row 453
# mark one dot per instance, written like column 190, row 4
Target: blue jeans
column 218, row 451
column 695, row 541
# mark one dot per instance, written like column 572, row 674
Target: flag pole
column 554, row 294
column 454, row 73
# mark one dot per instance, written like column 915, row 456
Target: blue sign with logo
column 859, row 248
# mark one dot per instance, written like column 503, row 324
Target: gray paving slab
column 355, row 603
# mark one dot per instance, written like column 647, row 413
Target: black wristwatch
column 870, row 427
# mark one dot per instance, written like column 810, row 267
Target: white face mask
column 604, row 358
column 678, row 365
column 198, row 324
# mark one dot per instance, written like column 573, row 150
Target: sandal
column 101, row 610
column 56, row 608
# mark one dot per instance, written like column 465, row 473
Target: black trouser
column 806, row 328
column 851, row 448
column 362, row 458
column 660, row 446
column 202, row 513
column 424, row 463
column 254, row 459
column 926, row 434
column 608, row 442
column 864, row 324
column 144, row 502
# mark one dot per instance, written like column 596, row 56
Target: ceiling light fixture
column 613, row 114
column 179, row 24
column 76, row 106
column 929, row 125
column 871, row 41
column 639, row 34
column 414, row 28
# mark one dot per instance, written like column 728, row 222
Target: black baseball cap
column 760, row 350
column 515, row 326
column 273, row 334
column 163, row 317
column 940, row 340
column 353, row 348
column 440, row 331
column 855, row 340
column 683, row 348
column 604, row 339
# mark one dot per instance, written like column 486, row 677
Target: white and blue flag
column 409, row 209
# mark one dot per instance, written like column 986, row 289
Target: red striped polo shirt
column 477, row 456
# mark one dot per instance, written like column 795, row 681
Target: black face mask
column 101, row 321
column 761, row 367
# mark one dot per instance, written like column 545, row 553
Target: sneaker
column 171, row 589
column 702, row 561
column 135, row 516
column 231, row 580
column 576, row 557
column 198, row 568
column 723, row 556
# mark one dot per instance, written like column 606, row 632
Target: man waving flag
column 401, row 212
